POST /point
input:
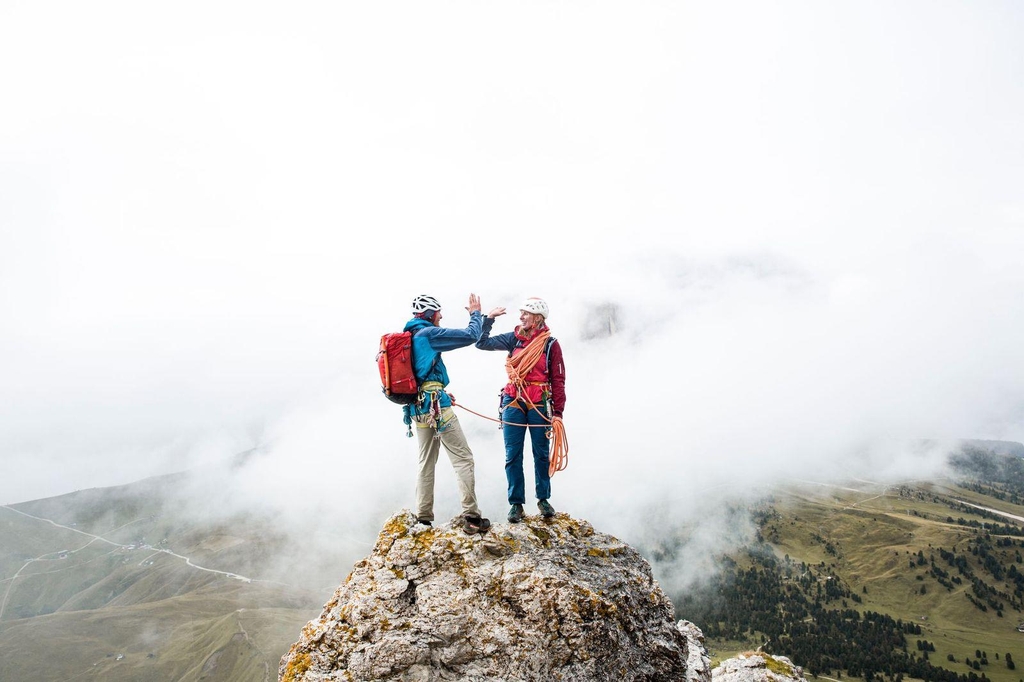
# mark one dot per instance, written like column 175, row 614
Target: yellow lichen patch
column 394, row 528
column 542, row 534
column 494, row 591
column 605, row 552
column 591, row 607
column 297, row 667
column 461, row 568
column 778, row 667
column 576, row 528
column 349, row 634
column 604, row 609
column 423, row 541
column 773, row 664
column 512, row 543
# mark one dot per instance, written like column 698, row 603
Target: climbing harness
column 436, row 418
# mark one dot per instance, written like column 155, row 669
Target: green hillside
column 121, row 583
column 877, row 581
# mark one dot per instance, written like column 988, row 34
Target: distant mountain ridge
column 997, row 447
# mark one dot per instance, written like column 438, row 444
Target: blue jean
column 515, row 439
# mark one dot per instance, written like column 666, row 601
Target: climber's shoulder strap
column 547, row 354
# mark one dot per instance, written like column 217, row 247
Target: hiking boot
column 475, row 524
column 425, row 522
column 546, row 510
column 515, row 514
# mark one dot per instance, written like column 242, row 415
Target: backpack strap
column 437, row 356
column 547, row 355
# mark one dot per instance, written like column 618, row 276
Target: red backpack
column 397, row 380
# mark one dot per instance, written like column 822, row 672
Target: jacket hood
column 416, row 324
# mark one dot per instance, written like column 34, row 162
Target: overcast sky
column 807, row 216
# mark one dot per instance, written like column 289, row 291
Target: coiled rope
column 559, row 447
column 518, row 366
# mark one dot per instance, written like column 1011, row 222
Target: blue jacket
column 428, row 342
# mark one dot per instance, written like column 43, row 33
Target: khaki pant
column 461, row 456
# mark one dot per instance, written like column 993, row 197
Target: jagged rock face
column 757, row 667
column 539, row 600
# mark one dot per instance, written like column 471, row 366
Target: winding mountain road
column 96, row 538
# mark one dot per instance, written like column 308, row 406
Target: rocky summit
column 545, row 599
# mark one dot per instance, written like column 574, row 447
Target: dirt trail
column 95, row 538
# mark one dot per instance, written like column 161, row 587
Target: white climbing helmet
column 423, row 303
column 535, row 305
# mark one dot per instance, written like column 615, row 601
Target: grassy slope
column 870, row 537
column 78, row 603
column 219, row 633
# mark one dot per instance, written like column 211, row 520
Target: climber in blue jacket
column 433, row 416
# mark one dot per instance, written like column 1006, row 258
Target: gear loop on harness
column 435, row 414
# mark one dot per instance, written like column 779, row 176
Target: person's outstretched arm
column 505, row 342
column 446, row 338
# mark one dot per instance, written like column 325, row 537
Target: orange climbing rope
column 559, row 447
column 559, row 451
